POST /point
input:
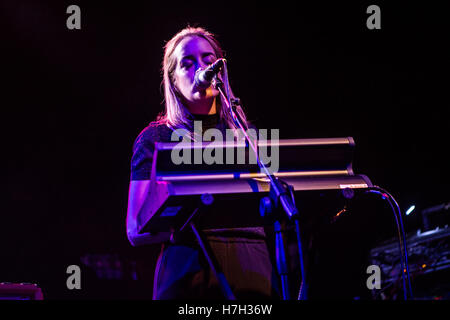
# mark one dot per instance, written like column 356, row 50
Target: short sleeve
column 141, row 160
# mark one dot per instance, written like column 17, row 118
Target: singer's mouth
column 201, row 90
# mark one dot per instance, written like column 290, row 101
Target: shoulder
column 252, row 126
column 155, row 131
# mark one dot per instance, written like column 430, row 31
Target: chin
column 202, row 95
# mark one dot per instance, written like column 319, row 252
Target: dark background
column 73, row 101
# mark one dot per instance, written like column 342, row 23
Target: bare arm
column 137, row 194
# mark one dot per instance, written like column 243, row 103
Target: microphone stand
column 280, row 193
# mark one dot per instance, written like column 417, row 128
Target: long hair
column 176, row 115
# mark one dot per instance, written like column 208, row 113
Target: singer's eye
column 186, row 64
column 209, row 60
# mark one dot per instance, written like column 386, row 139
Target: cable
column 401, row 234
column 403, row 252
column 302, row 294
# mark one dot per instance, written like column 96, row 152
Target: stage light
column 411, row 209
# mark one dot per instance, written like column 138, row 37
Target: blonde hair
column 176, row 115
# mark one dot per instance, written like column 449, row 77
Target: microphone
column 203, row 78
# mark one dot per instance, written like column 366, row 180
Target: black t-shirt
column 141, row 164
column 144, row 145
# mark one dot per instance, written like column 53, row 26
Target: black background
column 73, row 101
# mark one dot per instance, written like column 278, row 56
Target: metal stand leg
column 281, row 259
column 213, row 264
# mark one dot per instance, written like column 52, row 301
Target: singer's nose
column 199, row 67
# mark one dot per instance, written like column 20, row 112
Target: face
column 191, row 54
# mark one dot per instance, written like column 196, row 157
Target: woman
column 182, row 271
